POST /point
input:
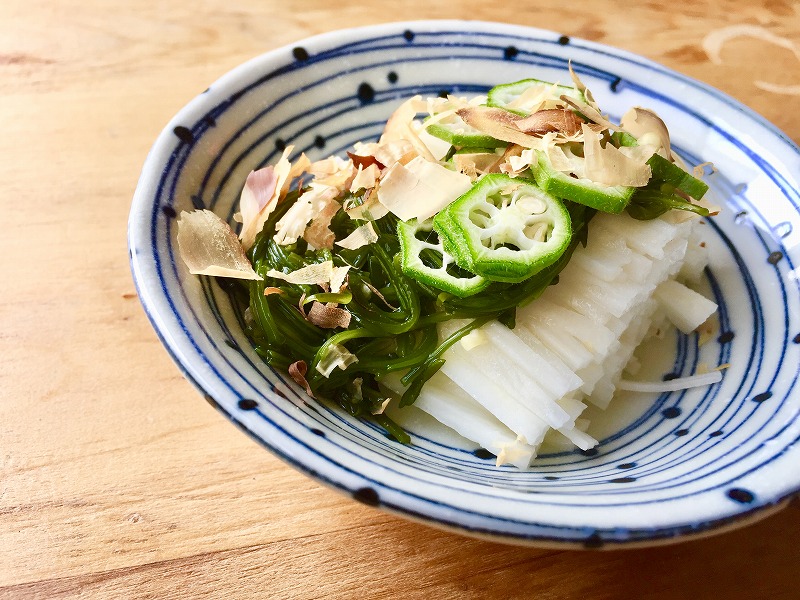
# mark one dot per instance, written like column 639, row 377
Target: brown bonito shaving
column 549, row 121
column 208, row 246
column 328, row 317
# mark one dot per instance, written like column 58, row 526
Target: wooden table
column 118, row 480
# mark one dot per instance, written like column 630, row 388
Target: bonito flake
column 208, row 246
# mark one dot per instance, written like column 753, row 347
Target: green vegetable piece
column 623, row 138
column 667, row 190
column 607, row 198
column 666, row 172
column 455, row 131
column 504, row 228
column 450, row 241
column 501, row 96
column 427, row 261
column 476, row 150
column 393, row 429
column 650, row 203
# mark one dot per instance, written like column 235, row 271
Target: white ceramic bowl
column 668, row 467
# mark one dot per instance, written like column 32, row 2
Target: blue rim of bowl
column 591, row 537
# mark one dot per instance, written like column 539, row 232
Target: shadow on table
column 758, row 561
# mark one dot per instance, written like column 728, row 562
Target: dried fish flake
column 208, row 246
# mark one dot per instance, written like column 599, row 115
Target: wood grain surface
column 116, row 479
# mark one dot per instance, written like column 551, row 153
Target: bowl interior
column 667, row 464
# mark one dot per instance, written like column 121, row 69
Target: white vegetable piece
column 450, row 405
column 643, row 237
column 685, row 308
column 336, row 356
column 573, row 343
column 485, row 390
column 673, row 385
column 695, row 260
column 510, row 376
column 614, row 363
column 548, row 370
column 593, row 336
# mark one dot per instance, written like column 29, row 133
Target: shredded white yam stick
column 673, row 385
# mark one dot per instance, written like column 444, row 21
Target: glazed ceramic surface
column 668, row 466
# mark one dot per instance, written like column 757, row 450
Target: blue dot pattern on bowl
column 310, row 97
